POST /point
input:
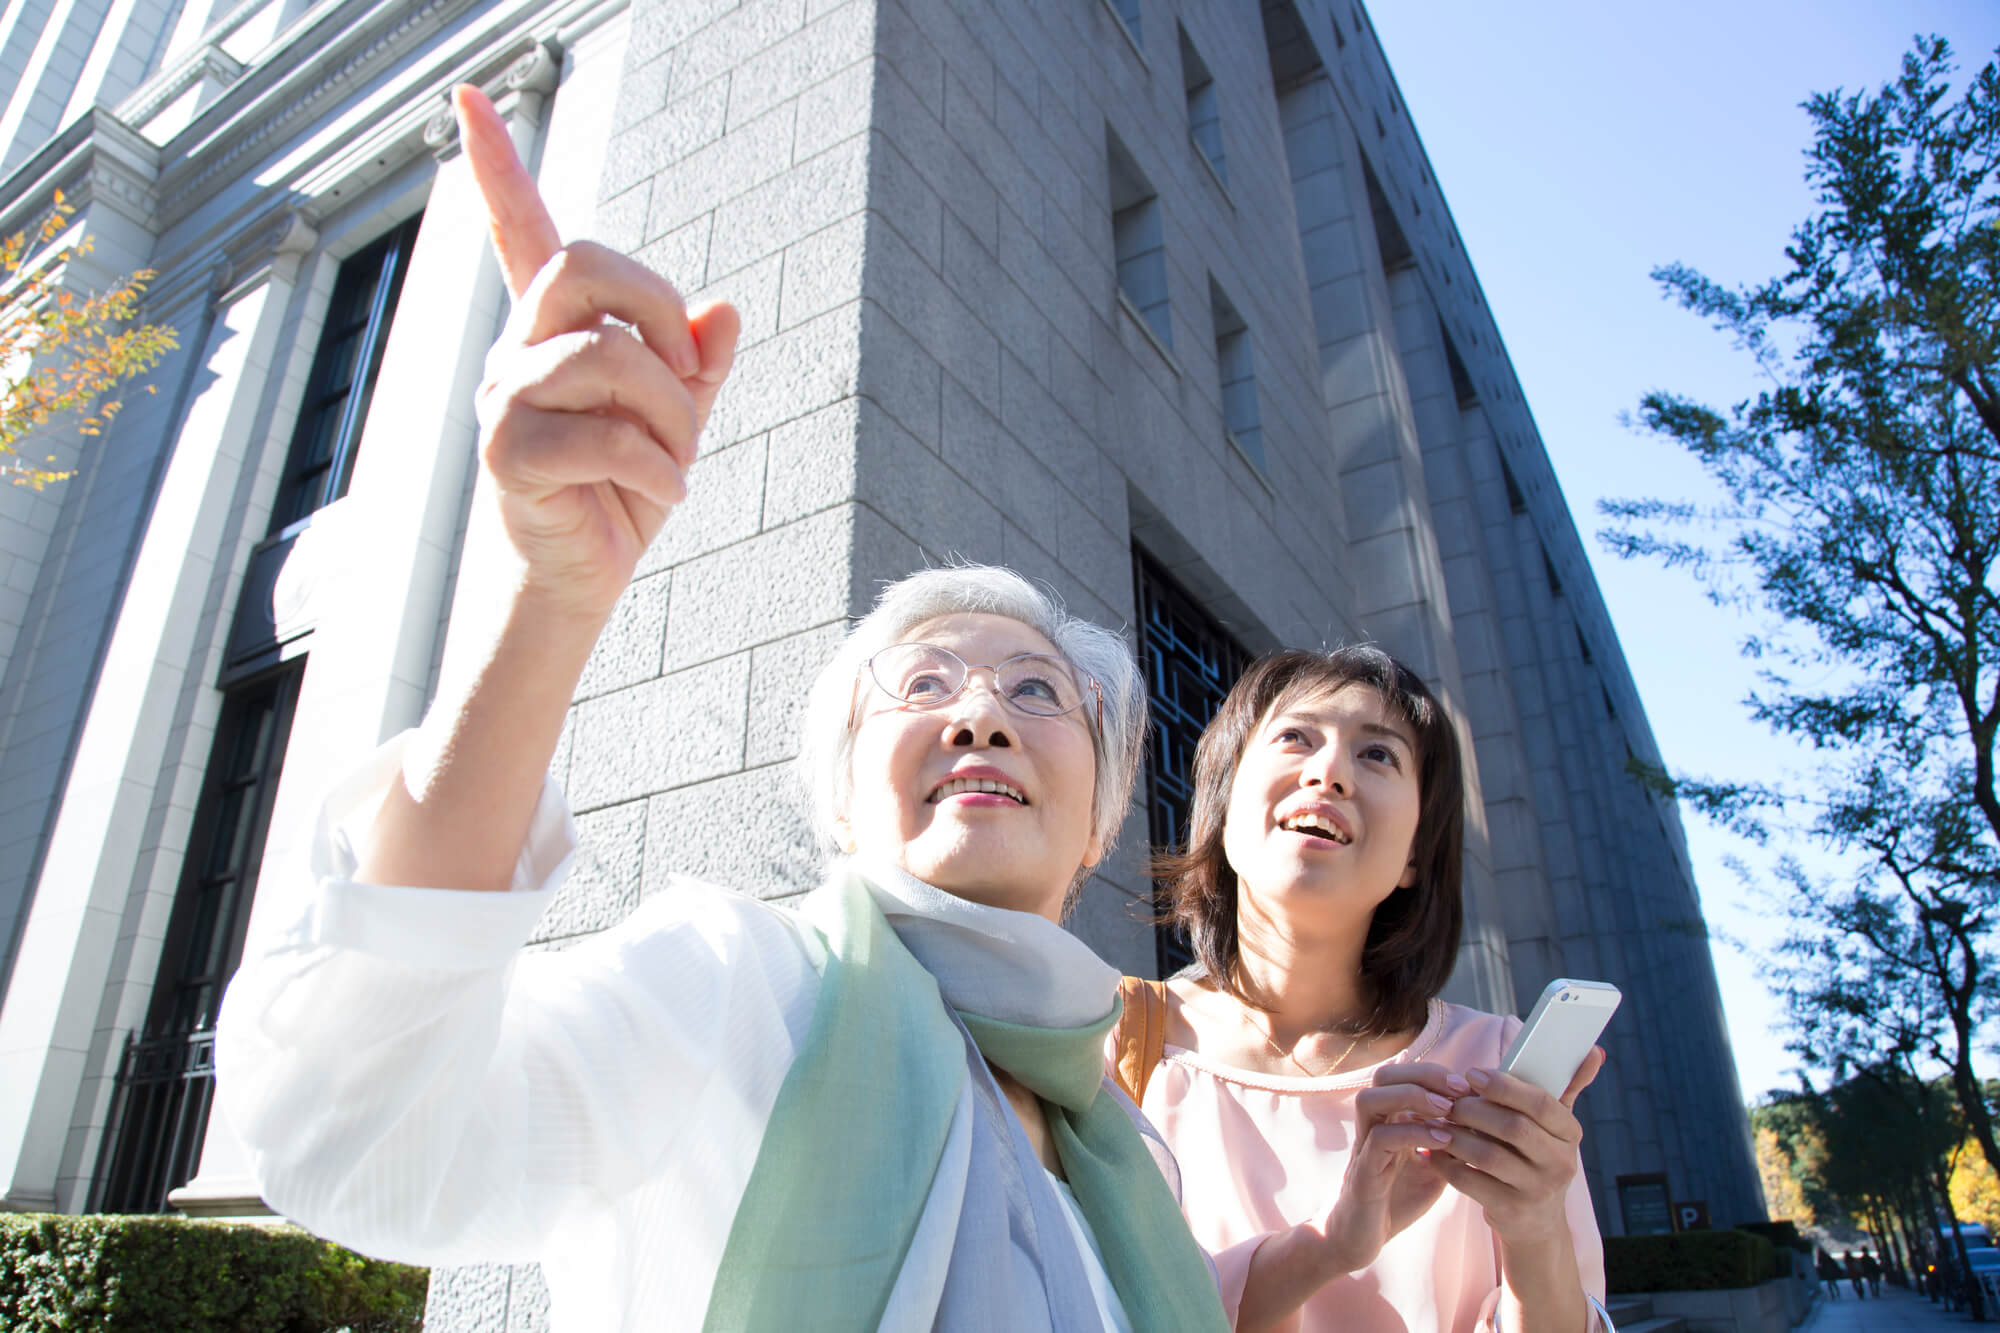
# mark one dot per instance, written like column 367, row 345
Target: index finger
column 524, row 235
column 1436, row 1078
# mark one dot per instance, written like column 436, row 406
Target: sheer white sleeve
column 411, row 1083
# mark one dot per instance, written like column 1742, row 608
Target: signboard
column 1691, row 1215
column 1644, row 1204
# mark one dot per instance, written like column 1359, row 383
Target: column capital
column 520, row 92
column 270, row 247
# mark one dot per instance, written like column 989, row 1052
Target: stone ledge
column 1770, row 1307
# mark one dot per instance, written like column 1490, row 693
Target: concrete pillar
column 62, row 968
column 1392, row 544
column 380, row 558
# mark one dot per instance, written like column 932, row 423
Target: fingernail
column 1441, row 1103
column 1479, row 1078
column 1440, row 1136
column 1457, row 1084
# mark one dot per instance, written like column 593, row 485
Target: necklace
column 1281, row 1051
column 1284, row 1054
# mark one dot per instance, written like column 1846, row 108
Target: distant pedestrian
column 1829, row 1273
column 1871, row 1268
column 1853, row 1265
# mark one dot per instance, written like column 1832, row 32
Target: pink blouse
column 1262, row 1152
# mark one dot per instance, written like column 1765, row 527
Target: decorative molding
column 96, row 159
column 521, row 88
column 335, row 76
column 124, row 186
column 271, row 246
column 204, row 62
column 441, row 131
column 537, row 71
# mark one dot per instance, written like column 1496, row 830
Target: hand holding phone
column 1564, row 1024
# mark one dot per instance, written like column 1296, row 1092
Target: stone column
column 91, row 863
column 379, row 559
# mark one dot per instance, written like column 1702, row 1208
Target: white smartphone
column 1561, row 1029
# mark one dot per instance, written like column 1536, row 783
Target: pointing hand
column 594, row 395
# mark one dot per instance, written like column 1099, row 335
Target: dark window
column 342, row 379
column 1516, row 501
column 1549, row 568
column 1128, row 12
column 1390, row 241
column 1138, row 242
column 1204, row 117
column 1241, row 420
column 159, row 1115
column 1189, row 662
column 1583, row 645
column 1461, row 381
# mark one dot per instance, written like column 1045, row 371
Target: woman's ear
column 843, row 834
column 1093, row 851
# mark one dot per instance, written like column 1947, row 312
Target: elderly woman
column 883, row 1110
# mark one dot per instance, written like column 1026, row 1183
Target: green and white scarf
column 863, row 1162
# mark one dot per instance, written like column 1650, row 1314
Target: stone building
column 1155, row 300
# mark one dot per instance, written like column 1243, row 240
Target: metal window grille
column 159, row 1113
column 158, row 1120
column 1189, row 662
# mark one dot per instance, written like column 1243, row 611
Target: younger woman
column 1311, row 1075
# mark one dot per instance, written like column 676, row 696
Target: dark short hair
column 1413, row 940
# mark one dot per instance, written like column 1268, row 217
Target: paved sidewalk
column 1895, row 1311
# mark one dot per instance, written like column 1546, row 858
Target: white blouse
column 411, row 1084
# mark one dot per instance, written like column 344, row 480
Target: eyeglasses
column 925, row 675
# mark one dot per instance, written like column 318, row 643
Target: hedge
column 1783, row 1232
column 1688, row 1261
column 143, row 1274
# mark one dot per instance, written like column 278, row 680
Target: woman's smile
column 976, row 786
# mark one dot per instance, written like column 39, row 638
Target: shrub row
column 1783, row 1232
column 1688, row 1261
column 119, row 1274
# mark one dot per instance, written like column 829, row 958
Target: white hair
column 826, row 750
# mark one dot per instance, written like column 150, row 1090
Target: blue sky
column 1579, row 146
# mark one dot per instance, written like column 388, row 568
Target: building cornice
column 96, row 159
column 533, row 75
column 332, row 52
column 208, row 61
column 320, row 60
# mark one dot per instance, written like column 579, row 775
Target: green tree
column 1791, row 1158
column 1862, row 519
column 62, row 353
column 1881, row 1149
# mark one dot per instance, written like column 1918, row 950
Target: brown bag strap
column 1142, row 1033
